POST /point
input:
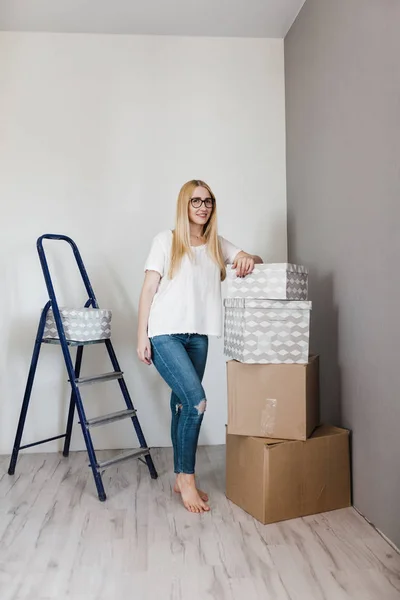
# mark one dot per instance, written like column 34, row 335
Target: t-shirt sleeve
column 229, row 251
column 156, row 258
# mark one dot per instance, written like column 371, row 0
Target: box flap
column 328, row 430
column 323, row 431
column 269, row 442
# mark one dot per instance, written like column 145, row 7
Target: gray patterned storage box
column 275, row 281
column 80, row 324
column 267, row 331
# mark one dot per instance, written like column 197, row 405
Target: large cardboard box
column 275, row 480
column 277, row 401
column 267, row 331
column 273, row 281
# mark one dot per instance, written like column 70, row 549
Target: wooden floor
column 57, row 541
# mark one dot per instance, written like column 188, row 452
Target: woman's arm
column 244, row 263
column 150, row 285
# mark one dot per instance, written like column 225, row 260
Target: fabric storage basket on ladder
column 267, row 331
column 275, row 281
column 80, row 324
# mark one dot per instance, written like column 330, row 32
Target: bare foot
column 202, row 494
column 191, row 499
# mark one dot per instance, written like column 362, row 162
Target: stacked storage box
column 280, row 463
column 267, row 315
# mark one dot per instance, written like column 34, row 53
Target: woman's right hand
column 144, row 349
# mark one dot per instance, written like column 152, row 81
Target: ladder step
column 99, row 378
column 111, row 418
column 124, row 456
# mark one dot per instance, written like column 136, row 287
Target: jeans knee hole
column 201, row 407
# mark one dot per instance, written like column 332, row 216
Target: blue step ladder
column 77, row 382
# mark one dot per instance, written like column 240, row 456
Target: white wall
column 97, row 134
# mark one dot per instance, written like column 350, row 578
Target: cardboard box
column 275, row 480
column 277, row 401
column 273, row 281
column 267, row 331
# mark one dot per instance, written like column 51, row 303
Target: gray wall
column 343, row 159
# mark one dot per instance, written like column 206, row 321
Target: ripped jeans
column 181, row 359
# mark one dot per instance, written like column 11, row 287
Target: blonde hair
column 181, row 235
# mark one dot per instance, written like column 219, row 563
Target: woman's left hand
column 244, row 265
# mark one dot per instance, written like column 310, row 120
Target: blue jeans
column 181, row 359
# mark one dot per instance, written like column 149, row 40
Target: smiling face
column 194, row 219
column 199, row 212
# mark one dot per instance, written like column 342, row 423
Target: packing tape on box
column 268, row 416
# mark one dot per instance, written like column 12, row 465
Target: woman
column 180, row 306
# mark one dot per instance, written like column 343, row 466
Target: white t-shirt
column 191, row 301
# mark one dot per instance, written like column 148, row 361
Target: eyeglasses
column 197, row 202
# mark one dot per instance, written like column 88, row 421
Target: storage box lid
column 268, row 304
column 288, row 267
